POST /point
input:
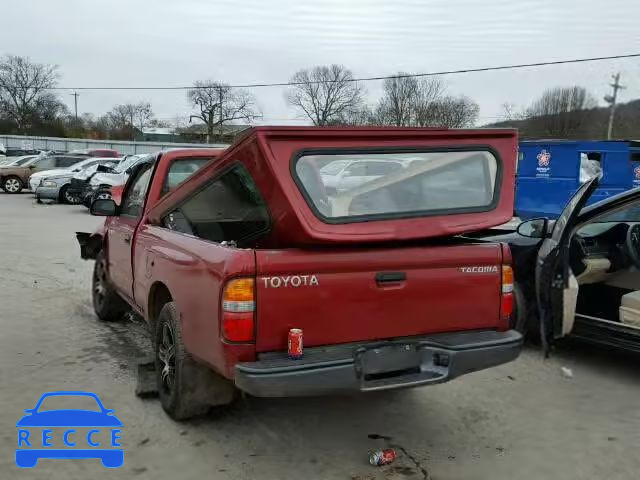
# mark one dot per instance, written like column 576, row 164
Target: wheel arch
column 159, row 295
column 61, row 192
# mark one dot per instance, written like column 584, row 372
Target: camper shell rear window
column 364, row 185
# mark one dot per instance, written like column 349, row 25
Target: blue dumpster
column 550, row 171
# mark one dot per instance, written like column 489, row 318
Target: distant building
column 158, row 134
column 190, row 134
column 198, row 133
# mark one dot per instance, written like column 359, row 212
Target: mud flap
column 90, row 244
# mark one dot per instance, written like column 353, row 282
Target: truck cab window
column 133, row 201
column 180, row 170
column 229, row 208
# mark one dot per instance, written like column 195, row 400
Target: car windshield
column 630, row 213
column 405, row 184
column 126, row 163
column 19, row 161
column 69, row 402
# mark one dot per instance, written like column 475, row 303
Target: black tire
column 103, row 193
column 107, row 304
column 525, row 316
column 64, row 197
column 12, row 184
column 186, row 388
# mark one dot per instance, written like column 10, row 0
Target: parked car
column 99, row 185
column 583, row 269
column 13, row 179
column 20, row 152
column 79, row 183
column 56, row 184
column 342, row 175
column 251, row 246
column 98, row 152
column 81, row 164
column 16, row 161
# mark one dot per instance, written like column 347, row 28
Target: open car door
column 556, row 286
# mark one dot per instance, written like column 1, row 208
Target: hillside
column 589, row 124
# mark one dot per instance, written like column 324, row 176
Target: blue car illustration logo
column 84, row 433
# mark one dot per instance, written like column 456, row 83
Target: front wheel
column 66, row 197
column 107, row 304
column 102, row 194
column 12, row 185
column 187, row 388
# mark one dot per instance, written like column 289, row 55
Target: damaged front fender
column 90, row 244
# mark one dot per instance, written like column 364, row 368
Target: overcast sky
column 174, row 42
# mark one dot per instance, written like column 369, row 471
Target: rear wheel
column 107, row 303
column 524, row 318
column 12, row 184
column 186, row 388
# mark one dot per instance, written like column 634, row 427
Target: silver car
column 56, row 186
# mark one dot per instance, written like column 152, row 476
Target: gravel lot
column 522, row 420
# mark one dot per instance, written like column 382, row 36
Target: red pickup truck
column 352, row 235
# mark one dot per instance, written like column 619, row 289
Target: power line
column 376, row 78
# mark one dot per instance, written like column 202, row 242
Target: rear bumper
column 398, row 363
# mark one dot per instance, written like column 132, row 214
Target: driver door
column 121, row 230
column 556, row 286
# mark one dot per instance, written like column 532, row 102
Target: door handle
column 127, row 238
column 390, row 277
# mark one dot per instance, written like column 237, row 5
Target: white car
column 342, row 175
column 36, row 178
column 120, row 173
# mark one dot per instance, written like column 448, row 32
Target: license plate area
column 387, row 361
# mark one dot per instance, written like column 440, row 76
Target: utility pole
column 220, row 107
column 75, row 96
column 611, row 100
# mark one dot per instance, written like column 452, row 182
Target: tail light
column 238, row 308
column 506, row 299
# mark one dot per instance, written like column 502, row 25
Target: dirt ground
column 524, row 420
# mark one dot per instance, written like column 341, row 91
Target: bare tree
column 142, row 114
column 361, row 116
column 560, row 111
column 430, row 90
column 120, row 117
column 156, row 123
column 397, row 104
column 325, row 94
column 129, row 116
column 407, row 101
column 454, row 112
column 217, row 104
column 24, row 86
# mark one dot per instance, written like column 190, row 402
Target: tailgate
column 340, row 296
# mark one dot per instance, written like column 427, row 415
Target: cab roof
column 269, row 154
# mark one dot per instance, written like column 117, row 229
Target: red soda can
column 382, row 457
column 295, row 343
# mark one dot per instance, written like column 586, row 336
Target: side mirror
column 32, row 167
column 534, row 228
column 102, row 168
column 104, row 207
